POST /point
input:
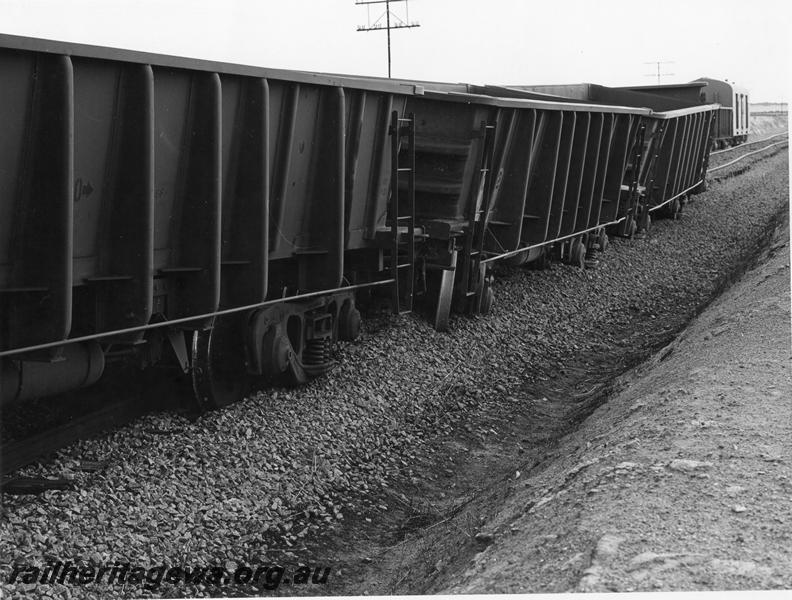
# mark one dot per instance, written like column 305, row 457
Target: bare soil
column 764, row 125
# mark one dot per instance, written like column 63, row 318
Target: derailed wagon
column 676, row 136
column 499, row 177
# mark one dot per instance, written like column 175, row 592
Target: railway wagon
column 732, row 119
column 499, row 178
column 676, row 153
column 157, row 209
column 682, row 154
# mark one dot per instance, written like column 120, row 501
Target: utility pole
column 377, row 25
column 659, row 74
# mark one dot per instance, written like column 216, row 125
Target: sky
column 490, row 41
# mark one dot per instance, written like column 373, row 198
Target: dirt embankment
column 682, row 481
column 763, row 125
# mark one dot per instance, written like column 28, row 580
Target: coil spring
column 317, row 351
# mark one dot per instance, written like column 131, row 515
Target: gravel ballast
column 259, row 481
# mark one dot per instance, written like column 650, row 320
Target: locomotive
column 733, row 117
column 228, row 220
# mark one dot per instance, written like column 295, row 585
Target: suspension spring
column 317, row 352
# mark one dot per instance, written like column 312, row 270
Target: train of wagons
column 230, row 220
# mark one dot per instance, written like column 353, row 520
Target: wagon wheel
column 602, row 240
column 630, row 228
column 517, row 260
column 543, row 261
column 577, row 254
column 676, row 207
column 348, row 322
column 219, row 372
column 487, row 300
column 540, row 263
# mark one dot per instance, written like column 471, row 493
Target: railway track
column 747, row 154
column 113, row 403
column 732, row 148
column 20, row 453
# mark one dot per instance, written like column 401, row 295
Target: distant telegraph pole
column 659, row 74
column 392, row 21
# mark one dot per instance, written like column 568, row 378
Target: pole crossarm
column 659, row 74
column 376, row 27
column 392, row 21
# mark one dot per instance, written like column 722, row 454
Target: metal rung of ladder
column 402, row 298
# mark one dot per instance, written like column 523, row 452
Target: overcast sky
column 486, row 41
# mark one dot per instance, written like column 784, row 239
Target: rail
column 748, row 143
column 739, row 158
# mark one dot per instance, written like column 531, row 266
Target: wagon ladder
column 472, row 284
column 402, row 247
